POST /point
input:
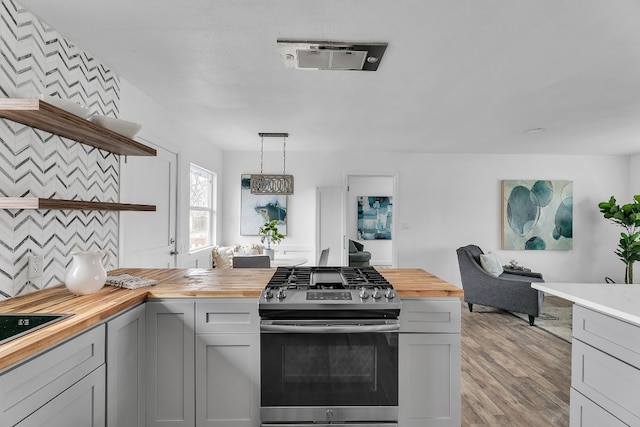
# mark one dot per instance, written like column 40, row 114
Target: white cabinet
column 126, row 364
column 585, row 413
column 227, row 390
column 227, row 363
column 429, row 362
column 170, row 363
column 203, row 362
column 605, row 372
column 42, row 387
column 81, row 405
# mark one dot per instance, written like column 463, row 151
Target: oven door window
column 329, row 369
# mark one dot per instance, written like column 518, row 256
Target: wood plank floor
column 512, row 374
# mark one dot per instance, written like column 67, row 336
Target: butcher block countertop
column 89, row 310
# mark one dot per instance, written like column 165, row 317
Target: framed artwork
column 256, row 209
column 537, row 215
column 374, row 217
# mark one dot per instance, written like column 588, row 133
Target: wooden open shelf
column 60, row 204
column 41, row 115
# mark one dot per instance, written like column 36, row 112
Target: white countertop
column 618, row 300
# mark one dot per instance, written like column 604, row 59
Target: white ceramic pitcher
column 87, row 274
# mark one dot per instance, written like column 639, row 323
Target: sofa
column 510, row 291
column 222, row 256
column 358, row 257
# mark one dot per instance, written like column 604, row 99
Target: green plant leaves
column 627, row 216
column 269, row 231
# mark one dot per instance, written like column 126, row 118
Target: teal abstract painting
column 375, row 214
column 537, row 215
column 256, row 209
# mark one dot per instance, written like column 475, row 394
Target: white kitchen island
column 605, row 372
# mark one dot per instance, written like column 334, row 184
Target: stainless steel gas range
column 329, row 348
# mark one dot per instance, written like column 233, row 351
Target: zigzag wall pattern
column 35, row 59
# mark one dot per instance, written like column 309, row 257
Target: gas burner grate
column 280, row 277
column 285, row 276
column 355, row 277
column 300, row 276
column 364, row 276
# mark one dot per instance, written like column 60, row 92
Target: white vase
column 269, row 252
column 87, row 274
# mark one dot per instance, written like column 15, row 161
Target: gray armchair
column 358, row 257
column 509, row 291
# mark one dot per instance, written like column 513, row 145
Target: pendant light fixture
column 272, row 184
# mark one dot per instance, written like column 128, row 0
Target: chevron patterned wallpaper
column 35, row 59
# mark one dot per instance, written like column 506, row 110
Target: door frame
column 342, row 232
column 394, row 228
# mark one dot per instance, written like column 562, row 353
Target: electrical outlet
column 36, row 264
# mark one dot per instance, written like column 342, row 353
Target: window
column 202, row 185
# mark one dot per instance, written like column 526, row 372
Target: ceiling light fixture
column 272, row 184
column 328, row 55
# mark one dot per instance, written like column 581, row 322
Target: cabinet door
column 613, row 336
column 227, row 315
column 228, row 380
column 585, row 413
column 170, row 363
column 81, row 405
column 29, row 386
column 429, row 380
column 431, row 315
column 126, row 369
column 611, row 383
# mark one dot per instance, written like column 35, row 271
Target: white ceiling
column 458, row 76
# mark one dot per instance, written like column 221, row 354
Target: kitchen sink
column 14, row 325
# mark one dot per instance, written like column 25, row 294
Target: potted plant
column 628, row 217
column 269, row 232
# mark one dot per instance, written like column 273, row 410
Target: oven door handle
column 329, row 329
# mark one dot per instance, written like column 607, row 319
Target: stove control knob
column 390, row 294
column 376, row 294
column 364, row 294
column 329, row 414
column 281, row 294
column 268, row 294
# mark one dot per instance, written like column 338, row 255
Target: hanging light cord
column 284, row 155
column 261, row 152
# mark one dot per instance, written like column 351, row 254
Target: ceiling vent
column 324, row 55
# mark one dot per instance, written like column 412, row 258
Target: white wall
column 447, row 201
column 300, row 239
column 164, row 130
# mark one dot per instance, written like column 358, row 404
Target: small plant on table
column 269, row 232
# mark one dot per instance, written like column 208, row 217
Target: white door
column 148, row 239
column 330, row 225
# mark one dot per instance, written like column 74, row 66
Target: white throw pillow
column 491, row 264
column 252, row 249
column 222, row 256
